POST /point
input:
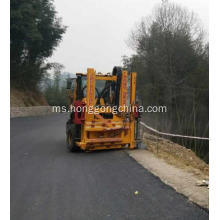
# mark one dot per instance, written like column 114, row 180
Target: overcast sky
column 98, row 30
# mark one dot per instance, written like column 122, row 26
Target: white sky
column 98, row 29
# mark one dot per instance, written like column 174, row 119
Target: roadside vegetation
column 54, row 88
column 35, row 31
column 172, row 61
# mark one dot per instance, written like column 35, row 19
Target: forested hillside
column 35, row 31
column 54, row 87
column 172, row 61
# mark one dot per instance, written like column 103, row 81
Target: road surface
column 49, row 183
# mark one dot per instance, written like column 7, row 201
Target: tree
column 35, row 33
column 55, row 92
column 173, row 70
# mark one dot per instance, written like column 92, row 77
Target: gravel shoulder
column 182, row 180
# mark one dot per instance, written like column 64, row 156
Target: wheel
column 72, row 147
column 71, row 137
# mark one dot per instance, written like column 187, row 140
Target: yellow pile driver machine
column 104, row 113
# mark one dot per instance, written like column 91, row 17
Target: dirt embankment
column 177, row 155
column 28, row 103
column 24, row 98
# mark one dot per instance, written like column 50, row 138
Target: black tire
column 70, row 137
column 70, row 143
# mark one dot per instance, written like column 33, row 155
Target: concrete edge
column 30, row 111
column 203, row 206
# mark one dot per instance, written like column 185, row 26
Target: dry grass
column 20, row 98
column 176, row 155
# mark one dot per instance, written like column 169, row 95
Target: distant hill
column 63, row 77
column 67, row 75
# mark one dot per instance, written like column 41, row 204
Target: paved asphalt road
column 49, row 183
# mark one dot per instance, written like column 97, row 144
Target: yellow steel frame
column 98, row 133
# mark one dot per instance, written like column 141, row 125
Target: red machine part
column 136, row 110
column 79, row 112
